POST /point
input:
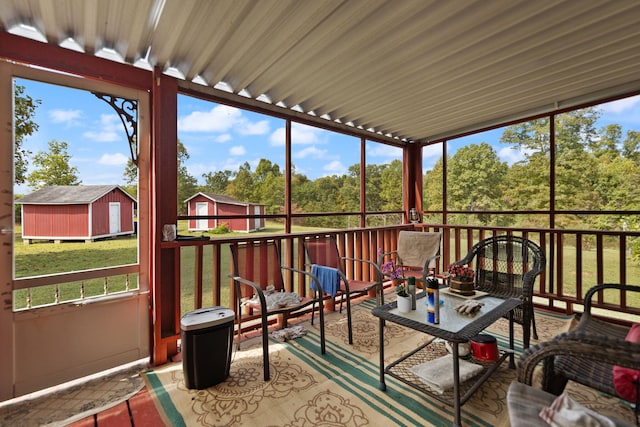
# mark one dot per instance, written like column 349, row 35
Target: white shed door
column 257, row 220
column 114, row 217
column 202, row 208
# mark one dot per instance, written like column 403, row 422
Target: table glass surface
column 450, row 319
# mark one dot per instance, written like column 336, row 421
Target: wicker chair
column 585, row 355
column 507, row 266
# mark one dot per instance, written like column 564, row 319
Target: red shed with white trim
column 219, row 204
column 77, row 212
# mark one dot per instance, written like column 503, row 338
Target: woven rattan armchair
column 586, row 354
column 507, row 266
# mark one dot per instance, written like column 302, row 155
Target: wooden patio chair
column 257, row 274
column 587, row 354
column 417, row 253
column 507, row 266
column 323, row 251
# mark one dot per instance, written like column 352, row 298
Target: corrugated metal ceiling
column 416, row 70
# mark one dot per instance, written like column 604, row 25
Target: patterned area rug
column 75, row 401
column 339, row 388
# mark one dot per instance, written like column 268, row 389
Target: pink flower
column 461, row 271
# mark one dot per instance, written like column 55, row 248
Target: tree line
column 596, row 169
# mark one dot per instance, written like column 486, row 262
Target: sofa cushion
column 625, row 380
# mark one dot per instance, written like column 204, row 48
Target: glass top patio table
column 454, row 327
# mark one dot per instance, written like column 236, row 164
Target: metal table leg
column 456, row 386
column 382, row 385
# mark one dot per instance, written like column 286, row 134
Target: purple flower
column 389, row 269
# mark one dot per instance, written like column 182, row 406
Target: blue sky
column 219, row 137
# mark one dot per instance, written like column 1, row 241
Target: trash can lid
column 206, row 318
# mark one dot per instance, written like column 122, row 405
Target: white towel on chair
column 415, row 247
column 566, row 412
column 438, row 373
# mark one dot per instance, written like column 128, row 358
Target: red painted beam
column 27, row 51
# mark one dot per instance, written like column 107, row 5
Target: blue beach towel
column 328, row 278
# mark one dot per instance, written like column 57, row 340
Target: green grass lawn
column 42, row 258
column 45, row 257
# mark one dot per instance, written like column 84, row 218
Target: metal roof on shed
column 69, row 194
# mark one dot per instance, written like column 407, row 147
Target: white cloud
column 383, row 150
column 617, row 107
column 70, row 117
column 277, row 138
column 257, row 128
column 335, row 168
column 109, row 129
column 115, row 159
column 511, row 155
column 434, row 150
column 220, row 118
column 105, row 136
column 238, row 150
column 310, row 152
column 300, row 135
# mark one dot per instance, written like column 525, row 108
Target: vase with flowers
column 396, row 274
column 461, row 279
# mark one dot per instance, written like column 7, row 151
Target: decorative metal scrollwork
column 127, row 110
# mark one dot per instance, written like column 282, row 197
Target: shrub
column 221, row 229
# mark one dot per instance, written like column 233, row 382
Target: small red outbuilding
column 219, row 204
column 77, row 212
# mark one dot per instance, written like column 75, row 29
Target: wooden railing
column 576, row 261
column 112, row 281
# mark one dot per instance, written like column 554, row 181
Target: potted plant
column 403, row 299
column 396, row 274
column 461, row 279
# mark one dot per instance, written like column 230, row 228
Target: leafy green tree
column 241, row 186
column 631, row 146
column 130, row 174
column 348, row 195
column 301, row 190
column 391, row 186
column 475, row 180
column 25, row 108
column 576, row 165
column 187, row 184
column 217, row 182
column 432, row 187
column 617, row 189
column 532, row 137
column 268, row 183
column 607, row 143
column 52, row 167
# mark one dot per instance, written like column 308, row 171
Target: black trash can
column 207, row 341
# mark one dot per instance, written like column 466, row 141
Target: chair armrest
column 591, row 292
column 428, row 261
column 382, row 256
column 468, row 259
column 586, row 346
column 365, row 261
column 256, row 287
column 311, row 276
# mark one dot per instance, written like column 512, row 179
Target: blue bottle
column 433, row 301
